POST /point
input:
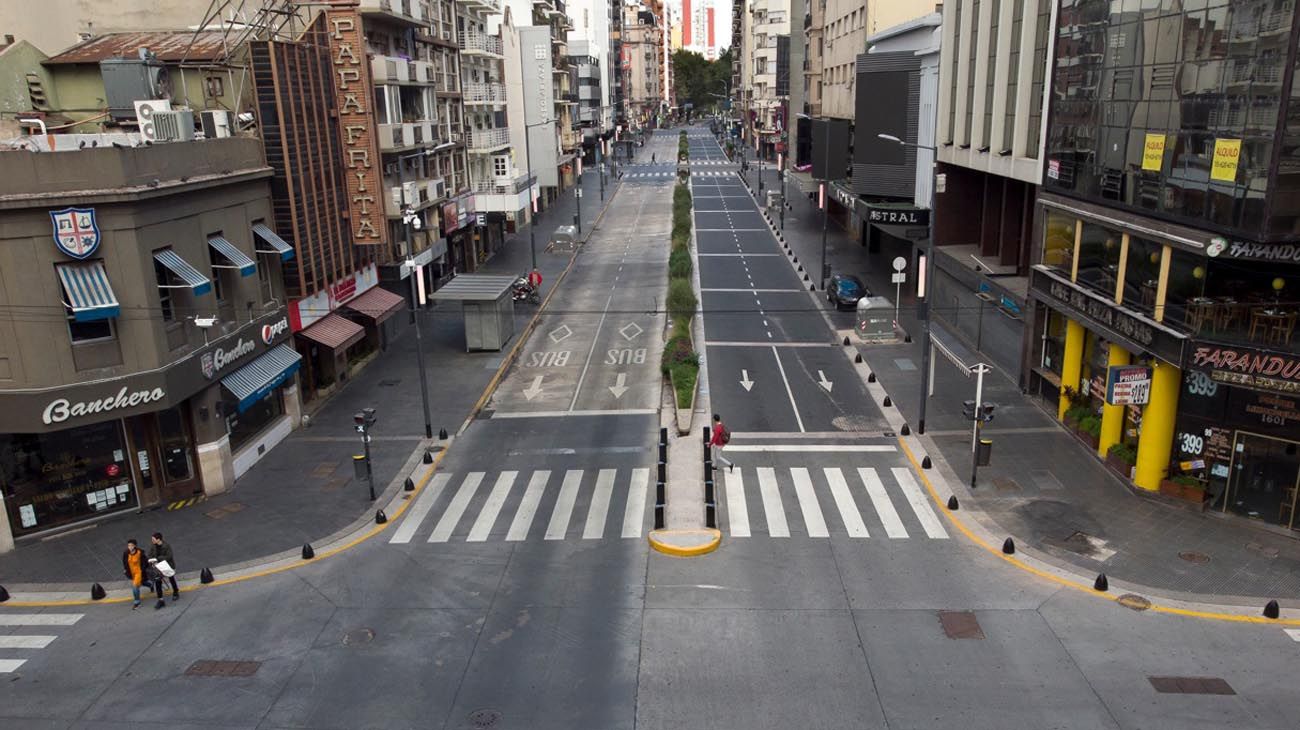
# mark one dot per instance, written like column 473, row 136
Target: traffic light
column 968, row 410
column 985, row 410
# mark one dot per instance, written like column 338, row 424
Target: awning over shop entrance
column 90, row 297
column 334, row 332
column 254, row 381
column 378, row 304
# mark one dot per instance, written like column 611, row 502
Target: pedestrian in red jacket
column 721, row 437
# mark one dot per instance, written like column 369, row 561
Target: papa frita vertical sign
column 352, row 91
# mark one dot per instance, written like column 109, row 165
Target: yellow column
column 1072, row 365
column 1112, row 417
column 1157, row 437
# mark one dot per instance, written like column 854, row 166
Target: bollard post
column 663, row 452
column 663, row 435
column 708, row 469
column 659, row 493
column 659, row 517
column 707, row 437
column 709, row 490
column 662, row 472
column 711, row 515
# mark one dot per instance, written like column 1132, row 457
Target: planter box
column 684, row 415
column 1119, row 466
column 1186, row 492
column 1089, row 439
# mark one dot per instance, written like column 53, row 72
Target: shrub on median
column 681, row 299
column 679, row 263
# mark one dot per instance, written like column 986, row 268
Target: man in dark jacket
column 160, row 551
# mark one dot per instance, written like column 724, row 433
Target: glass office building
column 1168, row 246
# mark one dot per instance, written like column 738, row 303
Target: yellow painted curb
column 715, row 539
column 1067, row 583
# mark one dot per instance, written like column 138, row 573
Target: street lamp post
column 364, row 420
column 927, row 279
column 409, row 219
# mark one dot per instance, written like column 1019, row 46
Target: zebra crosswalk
column 14, row 646
column 695, row 162
column 596, row 504
column 571, row 504
column 781, row 502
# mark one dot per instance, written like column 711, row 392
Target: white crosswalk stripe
column 528, row 507
column 421, row 508
column 488, row 516
column 595, row 527
column 564, row 505
column 634, row 513
column 830, row 484
column 447, row 525
column 15, row 644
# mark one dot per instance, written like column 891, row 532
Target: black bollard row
column 408, row 485
column 952, row 503
column 1101, row 584
column 663, row 452
column 926, row 463
column 871, row 377
column 659, row 517
column 307, row 552
column 709, row 492
column 905, row 430
column 661, row 472
column 663, row 436
column 205, row 576
column 97, row 592
column 380, row 517
column 858, row 358
column 1009, row 546
column 660, row 488
column 428, row 457
column 888, row 402
column 711, row 515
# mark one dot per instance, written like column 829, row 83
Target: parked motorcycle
column 522, row 289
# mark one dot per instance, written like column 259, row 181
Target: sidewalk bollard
column 663, row 452
column 858, row 358
column 663, row 436
column 1101, row 584
column 846, row 341
column 380, row 517
column 707, row 437
column 796, row 260
column 708, row 468
column 907, row 339
column 428, row 457
column 659, row 517
column 708, row 491
column 711, row 515
column 659, row 493
column 888, row 402
column 661, row 472
column 801, row 271
column 205, row 576
column 4, row 594
column 1271, row 610
column 905, row 430
column 926, row 463
column 307, row 552
column 952, row 503
column 871, row 377
column 97, row 592
column 805, row 278
column 442, row 434
column 1009, row 546
column 408, row 485
column 812, row 287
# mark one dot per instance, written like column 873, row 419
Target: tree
column 698, row 81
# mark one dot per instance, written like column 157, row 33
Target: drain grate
column 222, row 668
column 1194, row 557
column 1191, row 686
column 358, row 636
column 960, row 625
column 482, row 719
column 1133, row 601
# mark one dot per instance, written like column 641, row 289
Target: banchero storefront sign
column 1131, row 329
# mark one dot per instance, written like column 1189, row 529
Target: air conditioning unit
column 174, row 126
column 396, row 193
column 217, row 123
column 437, row 189
column 144, row 111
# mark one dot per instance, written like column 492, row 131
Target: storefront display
column 54, row 479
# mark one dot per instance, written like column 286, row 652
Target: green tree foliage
column 696, row 80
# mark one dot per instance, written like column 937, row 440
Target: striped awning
column 254, row 381
column 89, row 295
column 237, row 258
column 334, row 332
column 377, row 304
column 196, row 282
column 277, row 244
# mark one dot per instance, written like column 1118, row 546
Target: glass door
column 144, row 458
column 176, row 447
column 1265, row 477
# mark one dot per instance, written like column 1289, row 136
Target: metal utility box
column 773, row 200
column 875, row 318
column 488, row 309
column 128, row 80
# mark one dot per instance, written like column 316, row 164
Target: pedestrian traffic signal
column 985, row 410
column 968, row 410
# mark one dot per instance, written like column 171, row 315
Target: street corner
column 685, row 543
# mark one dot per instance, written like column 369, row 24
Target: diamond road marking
column 630, row 331
column 561, row 333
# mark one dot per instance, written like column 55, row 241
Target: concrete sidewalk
column 303, row 491
column 1044, row 487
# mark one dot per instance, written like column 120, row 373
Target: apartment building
column 767, row 57
column 643, row 42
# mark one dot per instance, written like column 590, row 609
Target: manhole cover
column 222, row 668
column 960, row 625
column 484, row 718
column 1194, row 557
column 1133, row 601
column 358, row 636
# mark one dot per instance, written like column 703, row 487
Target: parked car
column 845, row 290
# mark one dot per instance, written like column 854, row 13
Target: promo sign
column 353, row 91
column 1128, row 385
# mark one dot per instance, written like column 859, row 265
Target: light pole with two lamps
column 926, row 269
column 411, row 219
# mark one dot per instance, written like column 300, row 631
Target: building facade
column 1166, row 268
column 642, row 45
column 142, row 347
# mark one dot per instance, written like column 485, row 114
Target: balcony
column 484, row 141
column 408, row 135
column 570, row 139
column 392, row 70
column 411, row 12
column 479, row 92
column 490, row 6
column 503, row 185
column 473, row 43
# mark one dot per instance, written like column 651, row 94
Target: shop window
column 53, row 479
column 1183, row 306
column 1053, row 342
column 1142, row 274
column 1058, row 241
column 1099, row 249
column 244, row 427
column 1252, row 302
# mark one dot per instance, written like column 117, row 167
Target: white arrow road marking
column 824, row 382
column 619, row 387
column 535, row 389
column 745, row 381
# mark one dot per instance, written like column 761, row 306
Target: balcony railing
column 489, row 140
column 504, row 186
column 412, row 11
column 480, row 92
column 473, row 42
